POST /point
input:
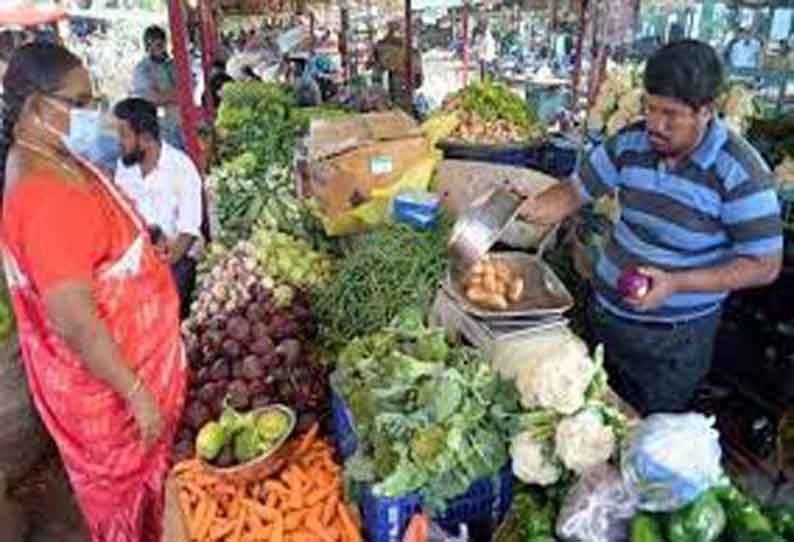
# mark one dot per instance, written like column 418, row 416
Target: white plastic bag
column 598, row 508
column 671, row 459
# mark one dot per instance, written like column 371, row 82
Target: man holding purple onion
column 700, row 219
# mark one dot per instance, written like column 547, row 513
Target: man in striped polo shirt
column 700, row 217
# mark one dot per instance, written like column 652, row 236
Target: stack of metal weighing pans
column 475, row 233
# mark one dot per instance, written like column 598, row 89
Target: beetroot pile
column 248, row 344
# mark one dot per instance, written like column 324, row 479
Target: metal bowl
column 546, row 296
column 271, row 461
column 479, row 228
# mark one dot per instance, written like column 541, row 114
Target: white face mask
column 88, row 136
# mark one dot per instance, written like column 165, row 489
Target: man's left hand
column 663, row 285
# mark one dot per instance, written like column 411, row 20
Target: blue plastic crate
column 386, row 518
column 344, row 433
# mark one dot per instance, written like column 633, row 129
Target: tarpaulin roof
column 25, row 13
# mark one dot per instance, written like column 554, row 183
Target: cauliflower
column 559, row 379
column 583, row 441
column 532, row 461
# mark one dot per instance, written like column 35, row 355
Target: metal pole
column 188, row 110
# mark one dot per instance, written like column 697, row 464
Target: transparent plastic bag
column 598, row 508
column 671, row 459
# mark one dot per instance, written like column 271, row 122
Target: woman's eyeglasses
column 80, row 102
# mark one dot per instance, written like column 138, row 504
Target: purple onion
column 633, row 284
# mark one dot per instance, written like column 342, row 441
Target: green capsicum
column 702, row 521
column 645, row 528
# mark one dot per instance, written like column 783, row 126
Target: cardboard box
column 350, row 157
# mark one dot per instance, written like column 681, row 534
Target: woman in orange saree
column 97, row 312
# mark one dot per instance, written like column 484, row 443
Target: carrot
column 276, row 486
column 206, row 522
column 308, row 439
column 417, row 529
column 278, row 530
column 318, row 530
column 237, row 535
column 329, row 509
column 319, row 495
column 221, row 530
column 299, row 474
column 196, row 520
column 303, row 536
column 350, row 532
column 272, row 500
column 293, row 520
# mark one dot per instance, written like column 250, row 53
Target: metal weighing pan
column 545, row 295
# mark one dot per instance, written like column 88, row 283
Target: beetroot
column 260, row 331
column 231, row 348
column 220, row 370
column 634, row 285
column 253, row 368
column 206, row 394
column 261, row 401
column 202, row 376
column 183, row 449
column 213, row 339
column 237, row 370
column 239, row 329
column 262, row 346
column 196, row 415
column 239, row 397
column 258, row 387
column 290, row 349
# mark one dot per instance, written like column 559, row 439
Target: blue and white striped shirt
column 717, row 205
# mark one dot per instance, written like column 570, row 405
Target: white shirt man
column 169, row 197
column 164, row 185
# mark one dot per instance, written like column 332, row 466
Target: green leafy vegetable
column 390, row 268
column 430, row 425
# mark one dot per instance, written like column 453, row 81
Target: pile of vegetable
column 567, row 426
column 619, row 100
column 259, row 128
column 248, row 338
column 288, row 259
column 491, row 113
column 491, row 283
column 237, row 438
column 428, row 417
column 721, row 514
column 388, row 269
column 304, row 502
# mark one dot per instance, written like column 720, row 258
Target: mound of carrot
column 304, row 502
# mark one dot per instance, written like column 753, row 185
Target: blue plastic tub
column 344, row 433
column 488, row 500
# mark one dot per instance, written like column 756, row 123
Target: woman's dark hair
column 688, row 70
column 152, row 33
column 140, row 114
column 34, row 68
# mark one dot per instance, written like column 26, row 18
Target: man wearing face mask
column 165, row 186
column 154, row 79
column 700, row 218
